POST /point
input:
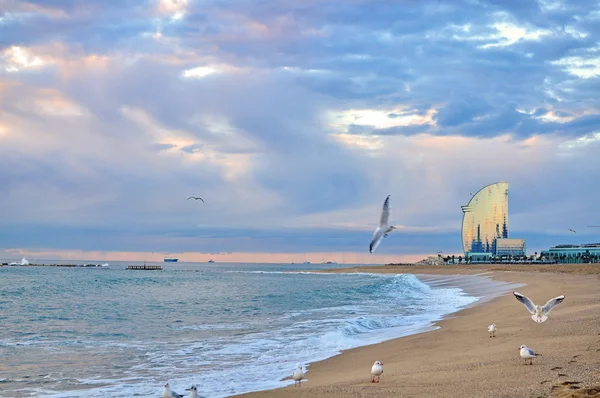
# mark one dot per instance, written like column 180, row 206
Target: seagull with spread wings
column 383, row 229
column 539, row 313
column 196, row 198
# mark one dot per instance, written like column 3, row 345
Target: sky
column 293, row 120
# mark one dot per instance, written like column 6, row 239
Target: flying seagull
column 196, row 198
column 382, row 230
column 540, row 314
column 572, row 230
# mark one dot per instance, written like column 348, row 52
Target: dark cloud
column 157, row 146
column 462, row 110
column 215, row 240
column 194, row 148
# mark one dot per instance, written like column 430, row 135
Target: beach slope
column 461, row 360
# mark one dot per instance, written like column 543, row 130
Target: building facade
column 510, row 247
column 567, row 254
column 485, row 218
column 485, row 225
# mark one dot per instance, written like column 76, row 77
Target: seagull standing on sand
column 540, row 314
column 527, row 353
column 196, row 198
column 376, row 371
column 298, row 376
column 492, row 330
column 193, row 391
column 382, row 230
column 167, row 393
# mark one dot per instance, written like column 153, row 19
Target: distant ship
column 171, row 260
column 211, row 261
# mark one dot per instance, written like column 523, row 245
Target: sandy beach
column 459, row 359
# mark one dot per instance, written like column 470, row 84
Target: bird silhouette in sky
column 196, row 198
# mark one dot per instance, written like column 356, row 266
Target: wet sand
column 460, row 359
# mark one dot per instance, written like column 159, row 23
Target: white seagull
column 167, row 393
column 382, row 230
column 298, row 376
column 193, row 391
column 376, row 371
column 540, row 314
column 527, row 353
column 492, row 330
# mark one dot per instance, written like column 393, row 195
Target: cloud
column 462, row 110
column 157, row 146
column 194, row 148
column 19, row 58
column 292, row 120
column 199, row 72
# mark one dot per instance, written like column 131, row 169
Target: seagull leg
column 531, row 361
column 378, row 379
column 373, row 379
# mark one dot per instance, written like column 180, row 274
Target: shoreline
column 458, row 358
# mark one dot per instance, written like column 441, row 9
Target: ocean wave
column 390, row 306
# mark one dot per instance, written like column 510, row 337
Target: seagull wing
column 385, row 213
column 191, row 197
column 551, row 304
column 201, row 199
column 526, row 302
column 390, row 229
column 531, row 352
column 377, row 236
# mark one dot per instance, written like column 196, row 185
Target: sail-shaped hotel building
column 485, row 224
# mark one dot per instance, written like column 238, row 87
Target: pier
column 145, row 267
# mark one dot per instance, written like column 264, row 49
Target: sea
column 226, row 328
